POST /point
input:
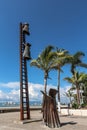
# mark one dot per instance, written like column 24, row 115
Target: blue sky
column 61, row 23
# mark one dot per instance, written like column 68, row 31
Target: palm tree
column 44, row 62
column 84, row 89
column 69, row 94
column 77, row 79
column 76, row 61
column 60, row 60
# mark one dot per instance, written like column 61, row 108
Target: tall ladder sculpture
column 24, row 56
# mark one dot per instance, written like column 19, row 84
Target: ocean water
column 17, row 104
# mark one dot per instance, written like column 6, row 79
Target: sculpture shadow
column 68, row 123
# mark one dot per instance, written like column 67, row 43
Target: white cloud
column 63, row 90
column 34, row 91
column 2, row 95
column 14, row 93
column 10, row 84
column 64, row 99
column 37, row 86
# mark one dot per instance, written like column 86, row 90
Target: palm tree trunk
column 78, row 96
column 45, row 91
column 45, row 85
column 45, row 81
column 58, row 90
column 58, row 85
column 70, row 102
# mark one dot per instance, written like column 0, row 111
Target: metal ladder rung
column 24, row 80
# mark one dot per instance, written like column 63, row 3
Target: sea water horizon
column 17, row 104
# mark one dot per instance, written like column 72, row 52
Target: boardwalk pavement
column 11, row 121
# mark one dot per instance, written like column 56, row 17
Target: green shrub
column 75, row 105
column 83, row 105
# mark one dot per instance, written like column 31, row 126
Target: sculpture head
column 52, row 92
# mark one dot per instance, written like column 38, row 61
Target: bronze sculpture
column 50, row 112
